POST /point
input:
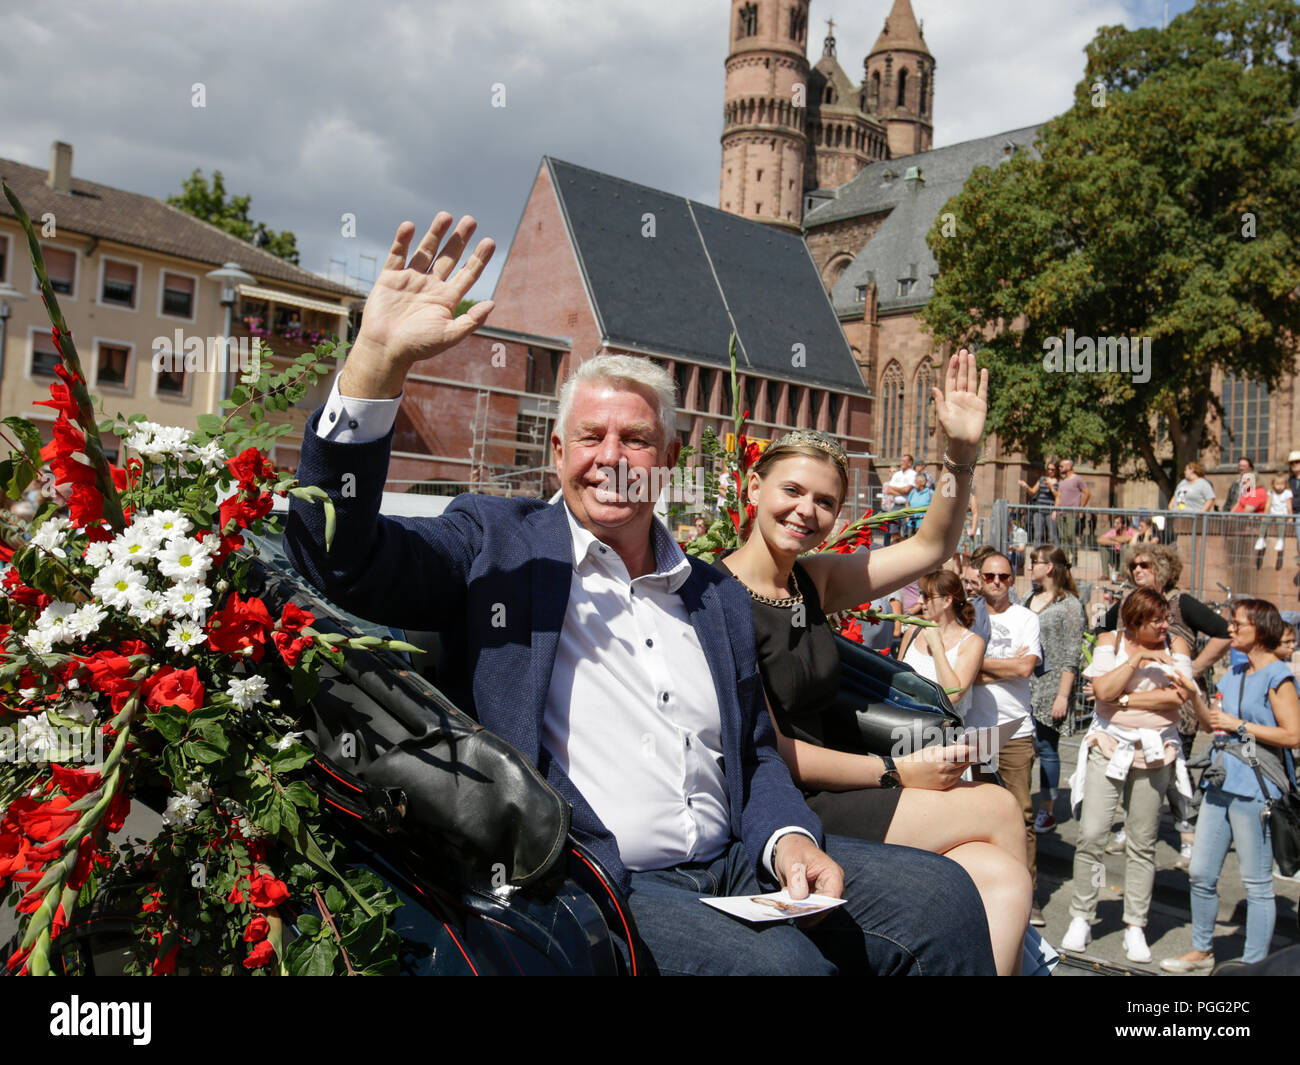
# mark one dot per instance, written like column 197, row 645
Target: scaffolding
column 509, row 453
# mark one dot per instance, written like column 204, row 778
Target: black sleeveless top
column 798, row 660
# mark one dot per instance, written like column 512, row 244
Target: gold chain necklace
column 792, row 600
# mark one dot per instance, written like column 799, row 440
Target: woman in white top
column 948, row 653
column 1140, row 678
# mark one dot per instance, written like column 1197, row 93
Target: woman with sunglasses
column 1140, row 678
column 797, row 488
column 1259, row 702
column 1060, row 626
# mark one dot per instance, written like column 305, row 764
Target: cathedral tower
column 765, row 106
column 900, row 82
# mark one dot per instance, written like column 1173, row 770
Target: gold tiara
column 821, row 441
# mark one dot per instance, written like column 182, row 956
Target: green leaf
column 309, row 925
column 335, row 900
column 311, row 957
column 171, row 722
column 287, row 761
column 209, row 423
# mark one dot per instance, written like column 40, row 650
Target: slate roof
column 898, row 248
column 703, row 273
column 139, row 221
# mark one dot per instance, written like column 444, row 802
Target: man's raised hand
column 411, row 310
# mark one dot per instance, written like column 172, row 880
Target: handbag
column 884, row 707
column 1280, row 816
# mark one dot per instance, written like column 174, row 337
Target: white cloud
column 316, row 108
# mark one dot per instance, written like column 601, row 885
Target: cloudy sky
column 385, row 110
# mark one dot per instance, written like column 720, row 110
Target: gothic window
column 875, row 90
column 925, row 413
column 748, row 21
column 892, row 393
column 798, row 24
column 1245, row 421
column 902, row 87
column 828, row 97
column 925, row 89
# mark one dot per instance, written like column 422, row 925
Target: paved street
column 1169, row 928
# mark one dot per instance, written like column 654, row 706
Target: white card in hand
column 776, row 906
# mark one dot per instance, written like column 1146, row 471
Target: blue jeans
column 909, row 912
column 1223, row 819
column 1046, row 740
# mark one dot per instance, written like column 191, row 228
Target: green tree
column 209, row 202
column 1161, row 205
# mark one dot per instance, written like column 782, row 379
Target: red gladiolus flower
column 60, row 400
column 153, row 904
column 239, row 624
column 257, row 929
column 174, row 687
column 852, row 631
column 260, row 955
column 266, row 892
column 118, row 811
column 85, row 506
column 294, row 618
column 236, row 896
column 49, row 820
column 13, row 855
column 291, row 649
column 21, row 593
column 75, row 781
column 166, row 965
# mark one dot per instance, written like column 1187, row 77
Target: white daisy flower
column 211, row 455
column 39, row 643
column 247, row 692
column 148, row 605
column 98, row 555
column 188, row 599
column 54, row 621
column 136, row 544
column 184, row 559
column 181, row 810
column 87, row 620
column 50, row 535
column 36, row 736
column 186, row 636
column 167, row 523
column 117, row 584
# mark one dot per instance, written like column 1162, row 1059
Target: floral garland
column 130, row 620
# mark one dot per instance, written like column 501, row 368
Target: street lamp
column 8, row 295
column 229, row 277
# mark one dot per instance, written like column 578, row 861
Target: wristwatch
column 1123, row 700
column 890, row 778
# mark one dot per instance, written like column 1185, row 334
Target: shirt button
column 649, row 643
column 334, row 415
column 688, row 741
column 352, row 424
column 665, row 696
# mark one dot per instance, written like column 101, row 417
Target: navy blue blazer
column 492, row 576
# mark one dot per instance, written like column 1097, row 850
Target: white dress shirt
column 632, row 714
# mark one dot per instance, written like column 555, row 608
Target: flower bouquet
column 138, row 671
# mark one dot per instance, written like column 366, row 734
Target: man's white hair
column 623, row 370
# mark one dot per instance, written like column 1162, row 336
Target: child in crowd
column 1279, row 513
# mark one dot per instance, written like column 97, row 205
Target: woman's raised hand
column 962, row 406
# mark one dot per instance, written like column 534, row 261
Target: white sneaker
column 1135, row 945
column 1259, row 544
column 1279, row 546
column 1077, row 936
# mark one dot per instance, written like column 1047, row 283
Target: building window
column 4, row 258
column 748, row 26
column 45, row 356
column 177, row 295
column 704, row 389
column 113, row 366
column 925, row 89
column 798, row 24
column 875, row 91
column 61, row 265
column 682, row 378
column 860, row 293
column 796, row 401
column 837, row 401
column 121, row 280
column 172, row 384
column 905, row 285
column 1245, row 421
column 925, row 412
column 892, row 394
column 902, row 87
